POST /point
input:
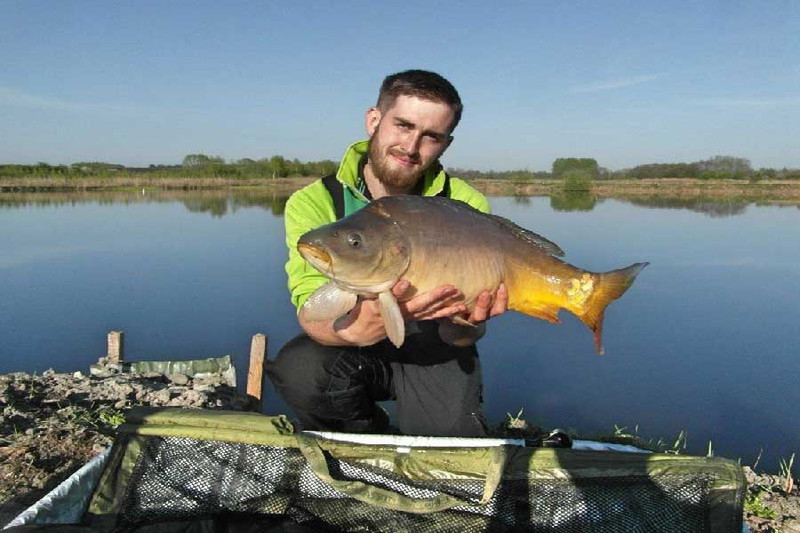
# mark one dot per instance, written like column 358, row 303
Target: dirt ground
column 52, row 424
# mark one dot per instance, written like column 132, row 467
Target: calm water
column 706, row 340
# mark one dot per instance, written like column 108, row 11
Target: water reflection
column 586, row 201
column 217, row 203
column 522, row 200
column 573, row 201
column 713, row 207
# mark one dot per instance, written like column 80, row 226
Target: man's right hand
column 363, row 325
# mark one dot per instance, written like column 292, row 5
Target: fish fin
column 392, row 318
column 611, row 286
column 328, row 302
column 539, row 310
column 528, row 236
column 457, row 334
column 461, row 322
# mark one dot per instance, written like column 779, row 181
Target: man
column 333, row 374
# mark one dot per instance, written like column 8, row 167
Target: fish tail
column 610, row 286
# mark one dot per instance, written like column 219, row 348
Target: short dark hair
column 422, row 84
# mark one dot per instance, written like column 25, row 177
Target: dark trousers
column 437, row 387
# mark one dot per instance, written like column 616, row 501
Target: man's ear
column 371, row 120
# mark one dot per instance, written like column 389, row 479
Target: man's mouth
column 404, row 159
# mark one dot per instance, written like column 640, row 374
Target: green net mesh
column 180, row 479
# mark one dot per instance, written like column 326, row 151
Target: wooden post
column 255, row 373
column 115, row 347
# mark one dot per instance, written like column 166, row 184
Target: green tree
column 279, row 166
column 195, row 161
column 566, row 164
column 577, row 180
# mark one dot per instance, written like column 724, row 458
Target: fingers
column 445, row 312
column 500, row 304
column 440, row 302
column 482, row 306
column 447, row 301
column 488, row 305
column 402, row 290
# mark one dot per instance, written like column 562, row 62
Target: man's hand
column 489, row 305
column 443, row 301
column 363, row 325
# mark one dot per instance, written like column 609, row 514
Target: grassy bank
column 66, row 183
column 775, row 191
column 785, row 191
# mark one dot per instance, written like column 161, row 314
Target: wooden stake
column 115, row 347
column 255, row 373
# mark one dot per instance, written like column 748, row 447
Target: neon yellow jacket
column 312, row 207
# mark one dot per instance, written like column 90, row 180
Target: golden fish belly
column 470, row 269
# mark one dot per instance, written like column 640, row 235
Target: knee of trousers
column 299, row 372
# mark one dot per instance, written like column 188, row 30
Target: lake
column 705, row 341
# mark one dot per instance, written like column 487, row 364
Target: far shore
column 766, row 191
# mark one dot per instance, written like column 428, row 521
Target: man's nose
column 411, row 143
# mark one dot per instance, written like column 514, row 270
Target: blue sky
column 627, row 83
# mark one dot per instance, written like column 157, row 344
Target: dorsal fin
column 528, row 236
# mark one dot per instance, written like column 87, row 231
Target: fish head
column 365, row 252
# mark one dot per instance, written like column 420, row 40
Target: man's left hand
column 489, row 305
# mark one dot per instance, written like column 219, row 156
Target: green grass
column 754, row 505
column 785, row 471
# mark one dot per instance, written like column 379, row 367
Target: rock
column 178, row 379
column 124, row 390
column 162, row 397
column 194, row 398
column 42, row 416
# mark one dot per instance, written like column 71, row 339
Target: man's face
column 406, row 139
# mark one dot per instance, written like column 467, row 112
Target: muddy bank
column 51, row 424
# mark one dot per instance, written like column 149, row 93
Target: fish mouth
column 316, row 255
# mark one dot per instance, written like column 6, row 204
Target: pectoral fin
column 459, row 332
column 461, row 322
column 392, row 318
column 328, row 302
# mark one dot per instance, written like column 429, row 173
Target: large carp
column 432, row 241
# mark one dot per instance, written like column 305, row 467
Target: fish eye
column 354, row 240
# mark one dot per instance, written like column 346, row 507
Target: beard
column 393, row 177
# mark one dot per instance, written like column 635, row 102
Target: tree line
column 717, row 167
column 577, row 170
column 200, row 165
